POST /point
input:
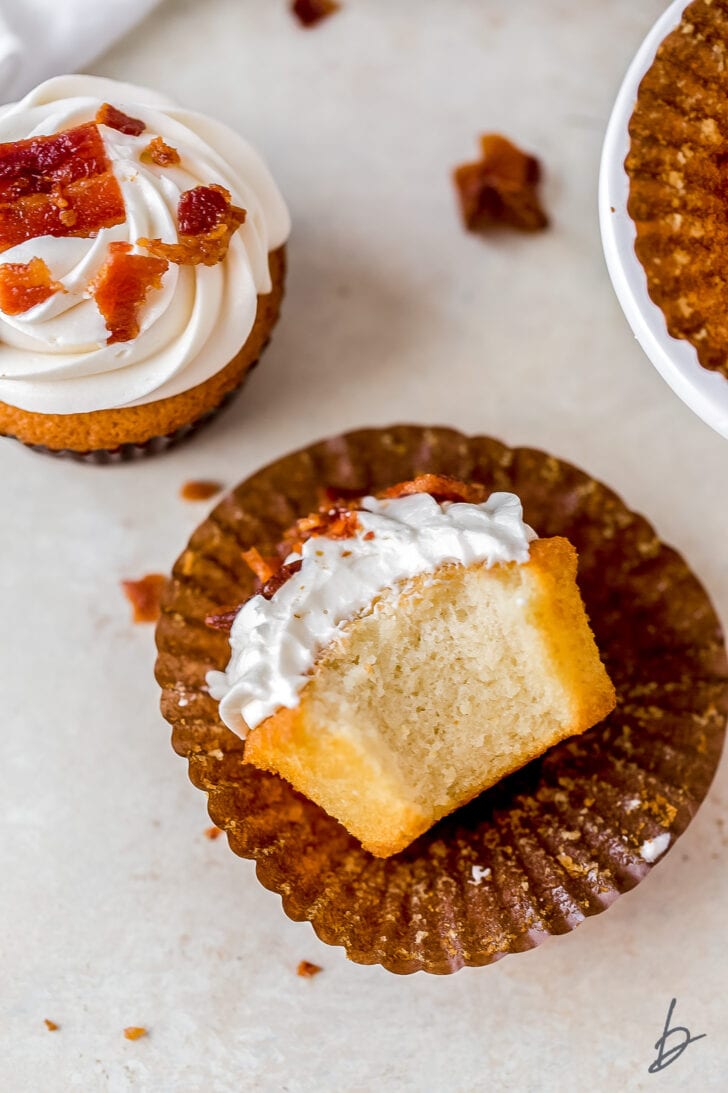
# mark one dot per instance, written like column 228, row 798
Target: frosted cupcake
column 141, row 272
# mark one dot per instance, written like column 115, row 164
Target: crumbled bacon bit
column 222, row 620
column 500, row 188
column 145, row 596
column 278, row 579
column 260, row 566
column 199, row 489
column 311, row 12
column 307, row 970
column 50, row 1025
column 117, row 119
column 160, row 153
column 333, row 523
column 134, row 1032
column 207, row 220
column 440, row 486
column 43, row 179
column 369, row 536
column 121, row 286
column 25, row 284
column 212, row 833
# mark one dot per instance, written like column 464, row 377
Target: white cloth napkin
column 43, row 38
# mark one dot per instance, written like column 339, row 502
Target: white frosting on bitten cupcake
column 54, row 358
column 275, row 642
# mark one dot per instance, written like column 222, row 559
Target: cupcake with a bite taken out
column 141, row 268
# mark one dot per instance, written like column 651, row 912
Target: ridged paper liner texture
column 677, row 169
column 125, row 453
column 548, row 846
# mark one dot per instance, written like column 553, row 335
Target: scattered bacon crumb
column 369, row 536
column 134, row 1032
column 59, row 185
column 440, row 486
column 212, row 832
column 199, row 489
column 222, row 620
column 145, row 596
column 117, row 119
column 50, row 1025
column 160, row 153
column 500, row 188
column 207, row 220
column 311, row 12
column 25, row 284
column 261, row 566
column 307, row 970
column 121, row 287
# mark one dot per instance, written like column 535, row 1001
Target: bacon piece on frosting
column 164, row 155
column 440, row 486
column 121, row 287
column 57, row 185
column 25, row 284
column 311, row 12
column 206, row 219
column 500, row 188
column 117, row 119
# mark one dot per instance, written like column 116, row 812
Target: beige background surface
column 114, row 908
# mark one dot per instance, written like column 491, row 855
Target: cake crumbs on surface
column 50, row 1025
column 311, row 12
column 212, row 833
column 145, row 596
column 199, row 489
column 501, row 188
column 307, row 970
column 134, row 1032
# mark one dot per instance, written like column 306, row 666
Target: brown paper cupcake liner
column 547, row 847
column 676, row 166
column 125, row 453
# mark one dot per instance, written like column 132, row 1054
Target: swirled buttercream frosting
column 56, row 356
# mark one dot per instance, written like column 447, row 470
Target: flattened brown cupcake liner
column 676, row 167
column 545, row 848
column 125, row 453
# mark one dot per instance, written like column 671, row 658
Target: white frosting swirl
column 54, row 357
column 274, row 643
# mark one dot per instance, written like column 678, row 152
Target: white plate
column 705, row 392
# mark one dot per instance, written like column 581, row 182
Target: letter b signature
column 668, row 1054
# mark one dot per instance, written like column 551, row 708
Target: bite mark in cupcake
column 409, row 653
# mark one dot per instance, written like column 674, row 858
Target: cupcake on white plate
column 663, row 211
